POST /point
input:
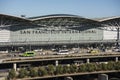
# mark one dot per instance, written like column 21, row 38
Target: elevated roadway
column 59, row 57
column 72, row 74
column 43, row 60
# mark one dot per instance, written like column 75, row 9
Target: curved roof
column 58, row 20
column 62, row 20
column 58, row 16
column 111, row 21
column 107, row 18
column 14, row 17
column 8, row 20
column 52, row 16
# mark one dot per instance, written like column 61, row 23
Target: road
column 16, row 58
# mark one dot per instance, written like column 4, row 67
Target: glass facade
column 55, row 34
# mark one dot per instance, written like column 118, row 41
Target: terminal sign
column 54, row 31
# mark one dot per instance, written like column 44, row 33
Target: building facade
column 56, row 29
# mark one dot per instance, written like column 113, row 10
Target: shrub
column 59, row 69
column 51, row 69
column 33, row 72
column 73, row 68
column 42, row 71
column 23, row 73
column 82, row 68
column 66, row 69
column 117, row 65
column 12, row 74
column 103, row 66
column 111, row 66
column 91, row 67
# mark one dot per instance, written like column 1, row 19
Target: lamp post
column 118, row 37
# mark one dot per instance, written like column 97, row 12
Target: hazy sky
column 85, row 8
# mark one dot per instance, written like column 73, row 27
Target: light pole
column 118, row 37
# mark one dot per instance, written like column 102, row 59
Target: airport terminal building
column 57, row 29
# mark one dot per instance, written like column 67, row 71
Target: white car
column 63, row 52
column 117, row 50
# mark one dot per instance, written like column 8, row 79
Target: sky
column 84, row 8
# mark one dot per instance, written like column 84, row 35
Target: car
column 117, row 49
column 93, row 51
column 28, row 54
column 114, row 79
column 63, row 52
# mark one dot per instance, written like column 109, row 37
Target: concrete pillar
column 102, row 77
column 15, row 66
column 68, row 78
column 116, row 59
column 56, row 63
column 88, row 60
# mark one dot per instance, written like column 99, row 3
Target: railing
column 54, row 42
column 72, row 74
column 59, row 57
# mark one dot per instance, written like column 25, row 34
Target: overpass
column 71, row 75
column 17, row 62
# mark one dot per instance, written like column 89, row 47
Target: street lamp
column 118, row 37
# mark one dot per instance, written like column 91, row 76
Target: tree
column 90, row 67
column 98, row 67
column 82, row 68
column 117, row 65
column 111, row 66
column 59, row 69
column 73, row 68
column 23, row 73
column 12, row 74
column 42, row 71
column 33, row 72
column 66, row 69
column 103, row 66
column 51, row 69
